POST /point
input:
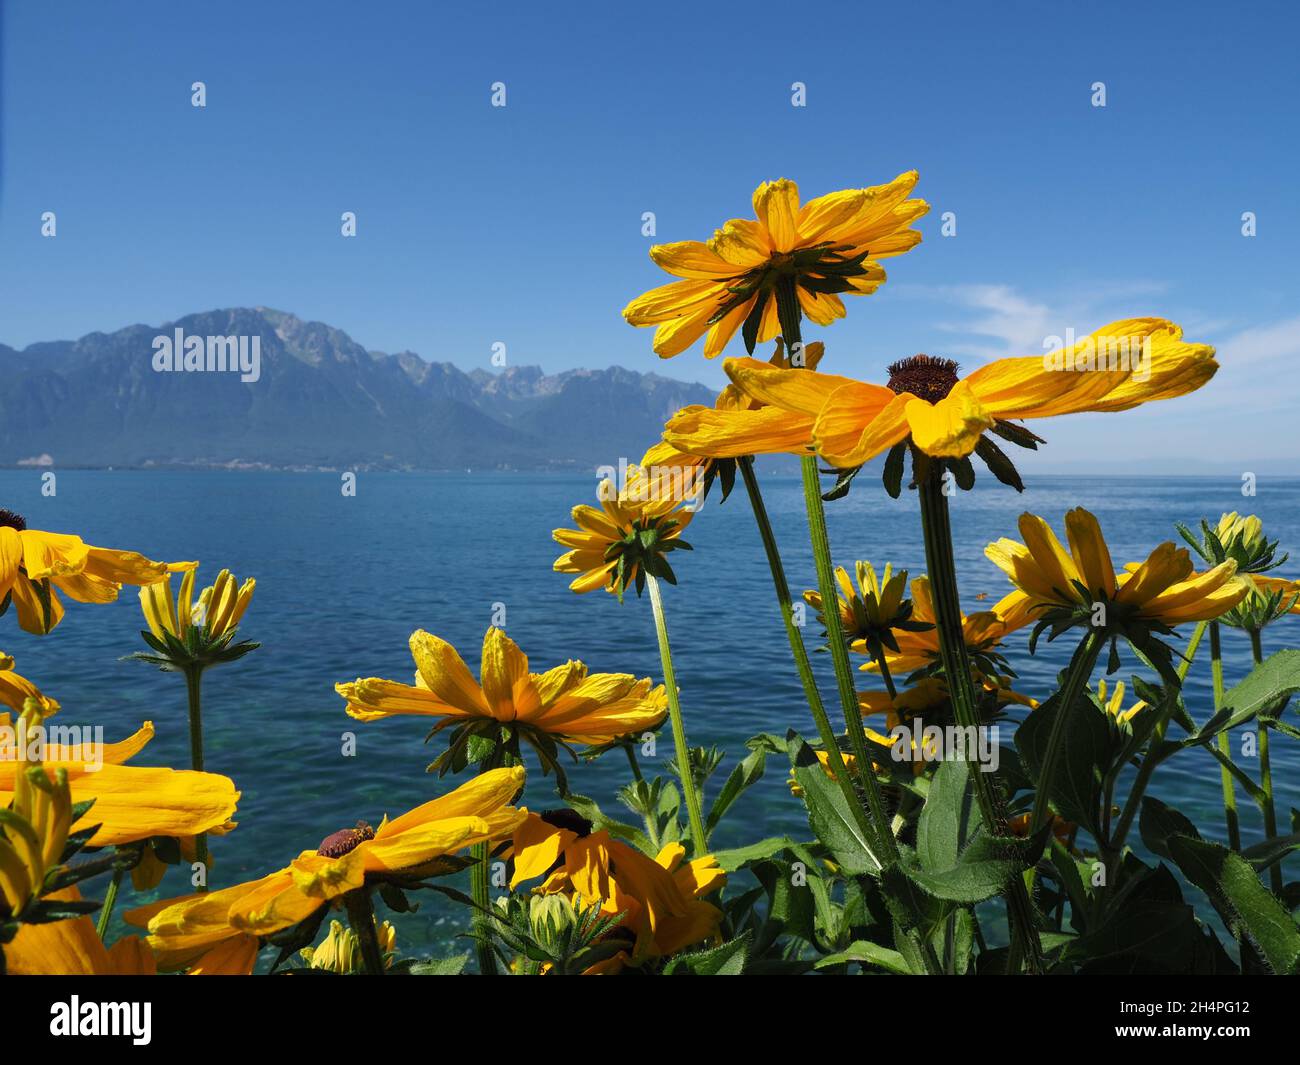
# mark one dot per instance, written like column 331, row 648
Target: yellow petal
column 950, row 428
column 445, row 674
column 776, row 204
column 1091, row 556
column 858, row 422
column 729, row 434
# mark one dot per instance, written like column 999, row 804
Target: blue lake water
column 342, row 582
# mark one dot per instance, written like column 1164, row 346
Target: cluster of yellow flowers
column 604, row 898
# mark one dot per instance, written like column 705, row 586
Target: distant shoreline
column 576, row 468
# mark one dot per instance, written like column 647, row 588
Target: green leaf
column 1144, row 936
column 441, row 967
column 1273, row 680
column 1271, row 851
column 948, row 819
column 828, row 811
column 744, row 776
column 983, row 869
column 726, row 960
column 1159, row 822
column 739, row 857
column 1081, row 759
column 867, row 953
column 1243, row 902
column 791, row 908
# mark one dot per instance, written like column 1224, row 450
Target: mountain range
column 320, row 400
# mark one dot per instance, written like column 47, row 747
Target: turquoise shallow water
column 342, row 581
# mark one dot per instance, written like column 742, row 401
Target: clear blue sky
column 522, row 224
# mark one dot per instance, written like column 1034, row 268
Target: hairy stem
column 194, row 693
column 822, row 720
column 361, row 916
column 1266, row 775
column 699, row 837
column 1148, row 766
column 1225, row 744
column 110, row 900
column 941, row 566
column 1076, row 680
column 480, row 889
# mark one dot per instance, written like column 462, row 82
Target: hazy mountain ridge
column 322, row 400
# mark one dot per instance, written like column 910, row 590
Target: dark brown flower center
column 566, row 818
column 924, row 376
column 8, row 519
column 344, row 840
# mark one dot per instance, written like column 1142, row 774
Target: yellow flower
column 1240, row 537
column 661, row 898
column 874, row 606
column 850, row 762
column 1286, row 590
column 828, row 246
column 982, row 631
column 341, row 951
column 634, row 528
column 1245, row 530
column 221, row 931
column 131, row 803
column 218, row 610
column 72, row 947
column 35, row 566
column 33, row 833
column 566, row 702
column 1115, row 704
column 15, row 690
column 1163, row 589
column 946, row 417
column 738, row 424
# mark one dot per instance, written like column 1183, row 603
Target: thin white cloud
column 1020, row 324
column 986, row 321
column 1263, row 343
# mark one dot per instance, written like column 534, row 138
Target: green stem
column 110, row 900
column 1148, row 766
column 879, row 831
column 480, row 890
column 1225, row 743
column 789, row 314
column 942, row 569
column 361, row 916
column 886, row 675
column 631, row 760
column 839, row 648
column 1266, row 775
column 1085, row 658
column 822, row 720
column 194, row 693
column 699, row 838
